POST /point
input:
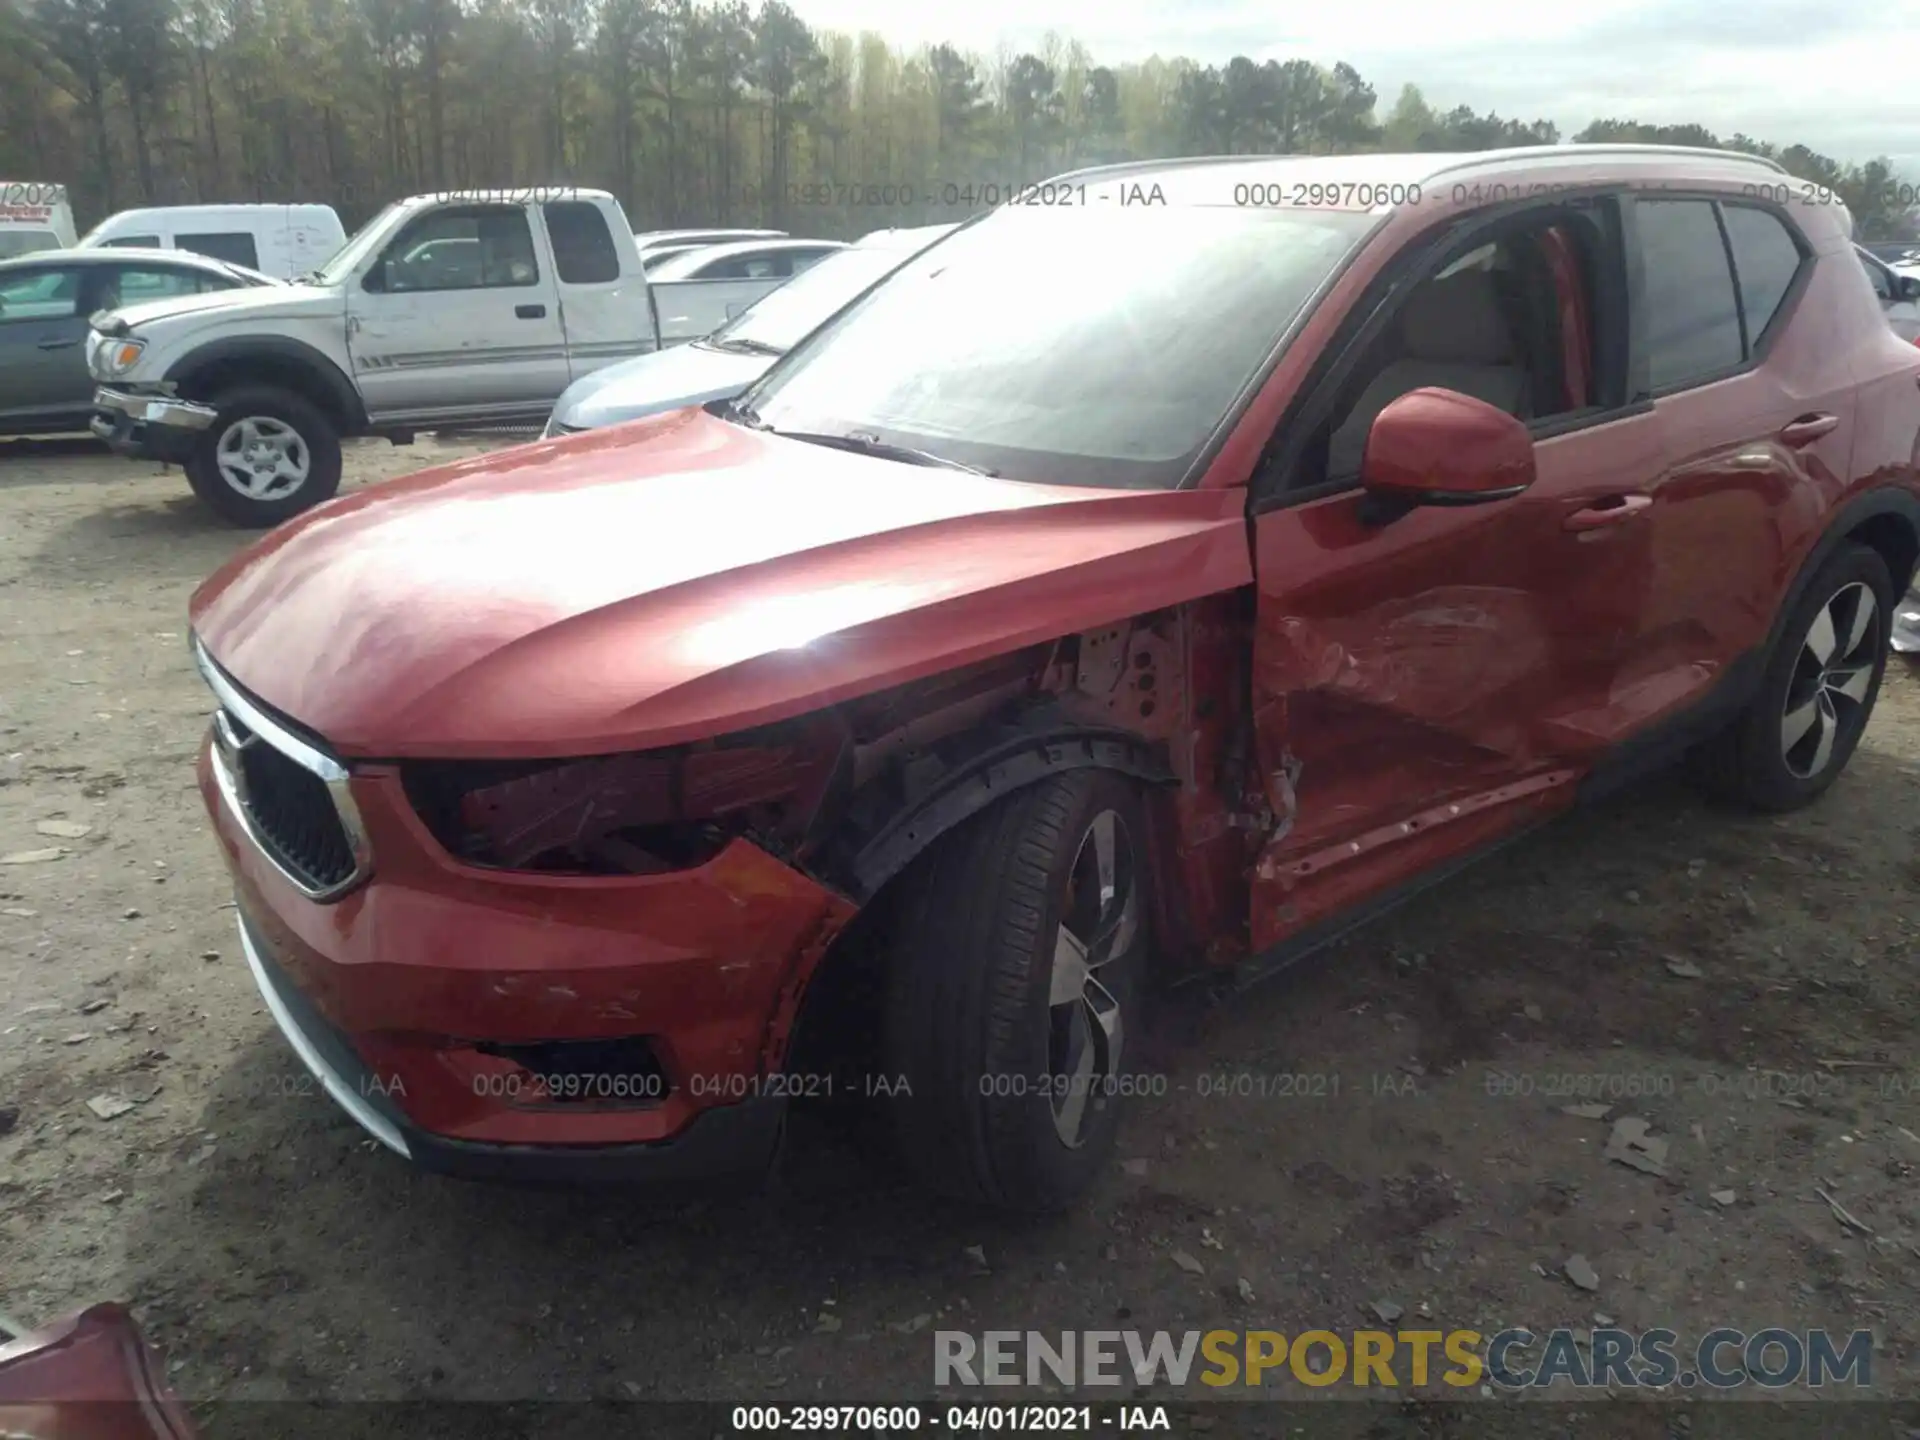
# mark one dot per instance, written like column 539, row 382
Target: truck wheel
column 269, row 455
column 1800, row 729
column 1016, row 960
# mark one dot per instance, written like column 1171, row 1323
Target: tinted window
column 583, row 250
column 1070, row 345
column 133, row 242
column 39, row 295
column 1693, row 321
column 1765, row 259
column 235, row 247
column 473, row 248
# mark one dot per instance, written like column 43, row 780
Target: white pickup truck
column 469, row 308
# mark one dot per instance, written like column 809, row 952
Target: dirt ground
column 1745, row 985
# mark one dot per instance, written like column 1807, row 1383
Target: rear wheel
column 1018, row 957
column 1798, row 732
column 268, row 456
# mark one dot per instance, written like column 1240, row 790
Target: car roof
column 122, row 254
column 1423, row 167
column 245, row 207
column 646, row 238
column 704, row 254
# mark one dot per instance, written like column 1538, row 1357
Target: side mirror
column 1439, row 447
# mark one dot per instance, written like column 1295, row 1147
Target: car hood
column 677, row 578
column 257, row 302
column 649, row 384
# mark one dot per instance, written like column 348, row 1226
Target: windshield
column 349, row 255
column 26, row 242
column 1066, row 344
column 784, row 318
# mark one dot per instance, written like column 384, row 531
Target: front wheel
column 1800, row 729
column 1018, row 957
column 269, row 455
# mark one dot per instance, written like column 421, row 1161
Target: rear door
column 458, row 317
column 43, row 327
column 1755, row 405
column 603, row 311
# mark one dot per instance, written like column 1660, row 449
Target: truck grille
column 293, row 814
column 291, row 796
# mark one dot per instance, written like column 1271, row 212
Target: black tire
column 312, row 432
column 1750, row 762
column 969, row 1024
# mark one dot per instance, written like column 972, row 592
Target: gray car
column 45, row 301
column 724, row 363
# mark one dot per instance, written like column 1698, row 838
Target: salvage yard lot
column 1388, row 1128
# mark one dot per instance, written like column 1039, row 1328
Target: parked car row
column 1104, row 593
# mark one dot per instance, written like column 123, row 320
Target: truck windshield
column 1067, row 344
column 349, row 255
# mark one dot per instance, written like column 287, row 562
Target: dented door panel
column 1404, row 669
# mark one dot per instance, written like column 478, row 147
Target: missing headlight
column 629, row 814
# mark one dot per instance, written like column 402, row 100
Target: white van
column 33, row 216
column 279, row 240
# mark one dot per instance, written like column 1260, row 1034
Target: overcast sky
column 1839, row 77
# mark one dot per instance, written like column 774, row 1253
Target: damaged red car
column 1166, row 574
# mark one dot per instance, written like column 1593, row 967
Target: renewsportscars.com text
column 1514, row 1359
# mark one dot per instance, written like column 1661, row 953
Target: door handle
column 1807, row 429
column 1610, row 511
column 59, row 344
column 530, row 312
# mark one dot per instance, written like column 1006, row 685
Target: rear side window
column 236, row 247
column 583, row 250
column 1765, row 260
column 1691, row 309
column 134, row 242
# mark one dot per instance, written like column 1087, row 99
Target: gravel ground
column 1743, row 985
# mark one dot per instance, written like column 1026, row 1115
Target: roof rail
column 1619, row 147
column 1139, row 167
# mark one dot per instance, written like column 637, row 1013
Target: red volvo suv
column 1169, row 570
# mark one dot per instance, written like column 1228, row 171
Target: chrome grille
column 292, row 798
column 292, row 810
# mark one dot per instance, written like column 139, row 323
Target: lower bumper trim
column 335, row 1084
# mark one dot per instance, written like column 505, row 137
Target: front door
column 43, row 353
column 1426, row 682
column 457, row 318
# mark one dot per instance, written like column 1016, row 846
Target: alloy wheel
column 1831, row 679
column 263, row 458
column 1099, row 920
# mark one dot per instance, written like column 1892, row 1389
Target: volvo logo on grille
column 231, row 740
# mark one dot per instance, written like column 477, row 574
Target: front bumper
column 148, row 427
column 724, row 1142
column 415, row 995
